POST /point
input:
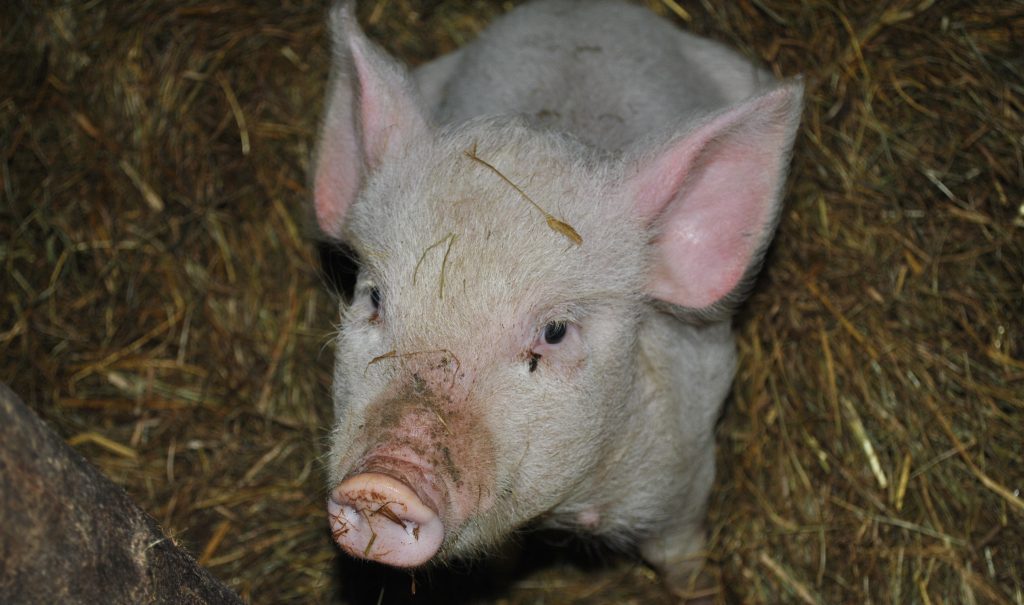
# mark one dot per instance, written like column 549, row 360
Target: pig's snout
column 378, row 517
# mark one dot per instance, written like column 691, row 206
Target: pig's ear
column 372, row 109
column 712, row 198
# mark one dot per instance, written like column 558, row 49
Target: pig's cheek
column 354, row 375
column 361, row 341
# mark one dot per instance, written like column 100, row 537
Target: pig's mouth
column 390, row 510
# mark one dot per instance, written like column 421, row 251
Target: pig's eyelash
column 374, row 294
column 571, row 313
column 368, row 290
column 557, row 321
column 553, row 331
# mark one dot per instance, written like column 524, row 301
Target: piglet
column 554, row 224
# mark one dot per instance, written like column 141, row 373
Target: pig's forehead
column 507, row 190
column 470, row 235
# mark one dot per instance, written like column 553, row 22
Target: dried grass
column 161, row 308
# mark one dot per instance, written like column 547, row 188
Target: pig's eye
column 375, row 303
column 554, row 332
column 558, row 338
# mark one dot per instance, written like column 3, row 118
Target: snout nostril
column 377, row 517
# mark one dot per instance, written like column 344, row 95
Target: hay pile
column 160, row 306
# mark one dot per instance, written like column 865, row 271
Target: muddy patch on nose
column 433, row 423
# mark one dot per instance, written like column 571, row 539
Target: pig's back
column 606, row 71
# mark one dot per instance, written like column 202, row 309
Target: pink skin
column 378, row 517
column 424, row 469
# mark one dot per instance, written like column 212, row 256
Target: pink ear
column 372, row 109
column 712, row 196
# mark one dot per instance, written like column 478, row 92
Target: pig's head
column 489, row 355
